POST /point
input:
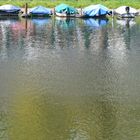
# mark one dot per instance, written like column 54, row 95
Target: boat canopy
column 40, row 10
column 64, row 8
column 9, row 8
column 95, row 10
column 122, row 10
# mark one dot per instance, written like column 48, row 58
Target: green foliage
column 75, row 3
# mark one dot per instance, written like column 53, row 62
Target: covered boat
column 95, row 11
column 40, row 11
column 9, row 10
column 64, row 10
column 126, row 12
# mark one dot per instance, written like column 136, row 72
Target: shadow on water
column 45, row 116
column 33, row 116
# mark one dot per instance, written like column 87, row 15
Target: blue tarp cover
column 40, row 10
column 64, row 8
column 95, row 10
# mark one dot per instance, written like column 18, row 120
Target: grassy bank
column 75, row 3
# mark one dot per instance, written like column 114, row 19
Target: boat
column 39, row 11
column 64, row 10
column 126, row 12
column 9, row 10
column 95, row 11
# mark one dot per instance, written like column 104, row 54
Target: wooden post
column 81, row 12
column 26, row 8
column 112, row 12
column 26, row 24
column 53, row 11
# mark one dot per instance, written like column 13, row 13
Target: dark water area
column 69, row 79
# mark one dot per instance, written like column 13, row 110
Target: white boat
column 126, row 12
column 64, row 15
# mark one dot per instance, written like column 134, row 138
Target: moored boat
column 95, row 11
column 64, row 10
column 9, row 10
column 126, row 12
column 40, row 11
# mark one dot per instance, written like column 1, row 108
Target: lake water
column 74, row 79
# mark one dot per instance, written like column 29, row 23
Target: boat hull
column 4, row 13
column 64, row 15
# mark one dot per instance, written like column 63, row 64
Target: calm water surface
column 71, row 79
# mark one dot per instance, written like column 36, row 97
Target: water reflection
column 96, row 23
column 65, row 31
column 66, row 80
column 127, row 25
column 126, row 22
column 65, row 23
column 93, row 33
column 41, row 21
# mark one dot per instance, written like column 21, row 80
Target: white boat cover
column 122, row 10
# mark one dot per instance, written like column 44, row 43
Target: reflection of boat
column 65, row 22
column 126, row 12
column 40, row 11
column 64, row 10
column 96, row 23
column 128, row 22
column 9, row 10
column 2, row 18
column 8, row 22
column 17, row 26
column 95, row 11
column 40, row 21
